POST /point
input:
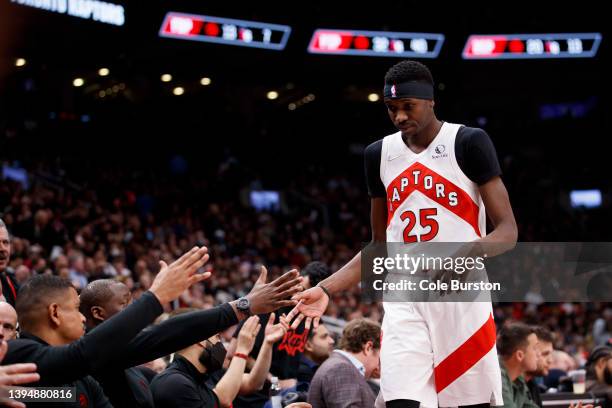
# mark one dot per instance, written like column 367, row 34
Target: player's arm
column 313, row 301
column 378, row 219
column 481, row 165
column 497, row 203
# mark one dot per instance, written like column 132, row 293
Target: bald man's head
column 102, row 299
column 8, row 322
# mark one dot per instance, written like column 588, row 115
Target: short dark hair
column 543, row 334
column 358, row 332
column 96, row 293
column 407, row 71
column 597, row 353
column 36, row 295
column 310, row 334
column 512, row 337
column 316, row 271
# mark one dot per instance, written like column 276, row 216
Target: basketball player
column 431, row 181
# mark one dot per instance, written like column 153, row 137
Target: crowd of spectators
column 115, row 227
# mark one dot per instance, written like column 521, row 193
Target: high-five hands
column 174, row 279
column 267, row 297
column 311, row 306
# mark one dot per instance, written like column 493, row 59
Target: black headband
column 419, row 90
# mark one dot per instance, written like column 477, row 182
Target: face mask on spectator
column 212, row 357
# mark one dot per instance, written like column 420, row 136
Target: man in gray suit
column 340, row 382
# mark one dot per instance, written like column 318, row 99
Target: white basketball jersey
column 429, row 198
column 444, row 350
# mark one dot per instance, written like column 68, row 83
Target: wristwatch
column 244, row 306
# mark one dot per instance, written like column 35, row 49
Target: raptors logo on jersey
column 429, row 198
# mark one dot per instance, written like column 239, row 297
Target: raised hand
column 247, row 335
column 275, row 332
column 173, row 279
column 267, row 297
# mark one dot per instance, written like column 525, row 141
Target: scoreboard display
column 522, row 46
column 375, row 43
column 224, row 31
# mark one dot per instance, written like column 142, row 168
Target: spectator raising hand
column 275, row 332
column 266, row 297
column 246, row 338
column 174, row 279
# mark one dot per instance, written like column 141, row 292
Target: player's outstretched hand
column 267, row 297
column 174, row 279
column 311, row 306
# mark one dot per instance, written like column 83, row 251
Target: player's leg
column 402, row 403
column 466, row 367
column 406, row 358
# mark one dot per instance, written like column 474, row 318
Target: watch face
column 243, row 303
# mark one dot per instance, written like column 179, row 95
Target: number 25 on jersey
column 426, row 219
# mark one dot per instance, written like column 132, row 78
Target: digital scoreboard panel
column 523, row 46
column 375, row 43
column 224, row 31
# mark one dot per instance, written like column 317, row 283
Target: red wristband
column 241, row 355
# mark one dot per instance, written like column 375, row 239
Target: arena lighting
column 272, row 95
column 221, row 30
column 95, row 10
column 103, row 72
column 585, row 198
column 77, row 82
column 179, row 90
column 166, row 78
column 373, row 97
column 205, row 81
column 375, row 43
column 523, row 46
column 20, row 62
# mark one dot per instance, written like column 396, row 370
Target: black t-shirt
column 181, row 385
column 285, row 359
column 474, row 151
column 285, row 353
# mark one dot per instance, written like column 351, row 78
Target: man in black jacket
column 53, row 328
column 124, row 384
